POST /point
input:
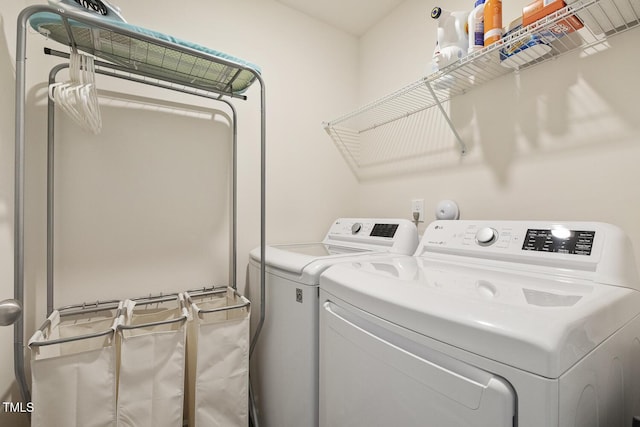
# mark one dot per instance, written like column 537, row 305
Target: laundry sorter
column 134, row 363
column 116, row 335
column 218, row 359
column 150, row 342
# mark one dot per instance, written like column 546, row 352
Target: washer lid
column 539, row 323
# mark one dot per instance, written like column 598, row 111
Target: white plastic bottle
column 452, row 36
column 475, row 26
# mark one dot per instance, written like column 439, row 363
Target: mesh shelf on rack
column 598, row 19
column 151, row 53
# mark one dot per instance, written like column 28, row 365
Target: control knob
column 356, row 227
column 486, row 236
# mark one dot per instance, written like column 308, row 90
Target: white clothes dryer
column 284, row 364
column 528, row 324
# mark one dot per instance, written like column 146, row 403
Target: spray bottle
column 476, row 26
column 492, row 21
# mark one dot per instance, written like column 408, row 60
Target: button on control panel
column 356, row 227
column 486, row 236
column 498, row 237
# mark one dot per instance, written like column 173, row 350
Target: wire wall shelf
column 357, row 132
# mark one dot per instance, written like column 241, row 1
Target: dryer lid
column 318, row 250
column 540, row 324
column 346, row 237
column 295, row 257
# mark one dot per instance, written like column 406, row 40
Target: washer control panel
column 578, row 242
column 560, row 238
column 554, row 239
column 593, row 250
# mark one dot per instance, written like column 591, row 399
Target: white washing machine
column 284, row 365
column 528, row 324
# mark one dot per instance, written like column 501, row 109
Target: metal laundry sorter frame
column 181, row 83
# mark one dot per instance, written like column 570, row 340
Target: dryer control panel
column 378, row 234
column 594, row 250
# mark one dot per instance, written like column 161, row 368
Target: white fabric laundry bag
column 151, row 337
column 73, row 370
column 218, row 359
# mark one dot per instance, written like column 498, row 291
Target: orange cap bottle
column 492, row 21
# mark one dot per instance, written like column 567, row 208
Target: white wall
column 144, row 207
column 560, row 141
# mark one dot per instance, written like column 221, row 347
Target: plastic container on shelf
column 492, row 21
column 540, row 9
column 475, row 26
column 522, row 51
column 452, row 37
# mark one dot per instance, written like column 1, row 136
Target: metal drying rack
column 152, row 61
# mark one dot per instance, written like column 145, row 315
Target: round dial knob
column 355, row 228
column 486, row 236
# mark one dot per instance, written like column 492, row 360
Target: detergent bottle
column 476, row 26
column 452, row 39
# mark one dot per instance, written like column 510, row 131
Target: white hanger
column 78, row 97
